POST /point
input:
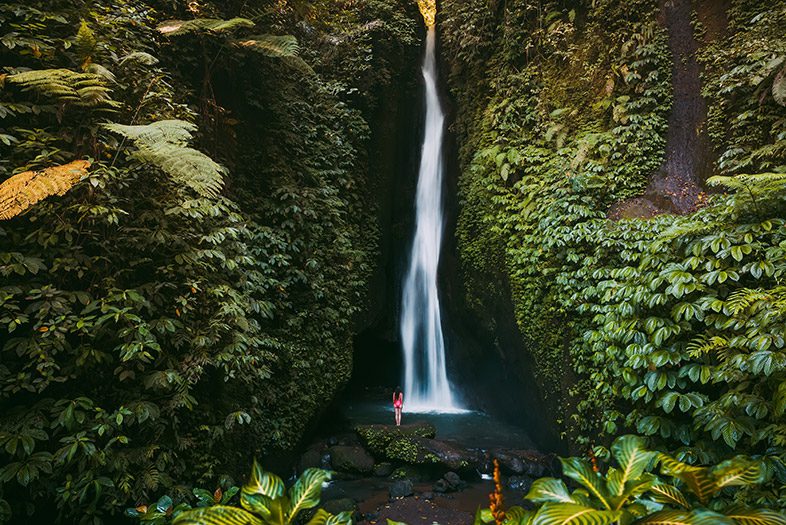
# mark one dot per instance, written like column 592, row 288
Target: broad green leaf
column 668, row 494
column 572, row 514
column 697, row 479
column 518, row 516
column 633, row 459
column 306, row 491
column 745, row 516
column 217, row 515
column 549, row 489
column 737, row 471
column 264, row 483
column 580, row 470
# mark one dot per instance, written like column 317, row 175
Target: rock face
column 518, row 462
column 353, row 459
column 401, row 489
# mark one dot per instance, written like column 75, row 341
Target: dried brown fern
column 25, row 189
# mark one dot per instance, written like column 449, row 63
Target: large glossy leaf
column 745, row 516
column 549, row 489
column 217, row 515
column 519, row 516
column 737, row 471
column 683, row 517
column 697, row 479
column 306, row 491
column 572, row 514
column 264, row 483
column 669, row 495
column 580, row 470
column 342, row 518
column 633, row 459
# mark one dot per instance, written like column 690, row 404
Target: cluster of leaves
column 264, row 500
column 573, row 121
column 632, row 493
column 190, row 301
column 672, row 326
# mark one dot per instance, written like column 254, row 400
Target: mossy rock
column 378, row 438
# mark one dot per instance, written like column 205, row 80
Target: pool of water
column 468, row 428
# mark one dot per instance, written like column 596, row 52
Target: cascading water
column 426, row 386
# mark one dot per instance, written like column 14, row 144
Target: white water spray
column 426, row 387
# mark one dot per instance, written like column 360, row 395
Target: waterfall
column 426, row 386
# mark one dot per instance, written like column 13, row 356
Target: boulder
column 351, row 459
column 522, row 462
column 401, row 489
column 311, row 458
column 454, row 481
column 378, row 437
column 426, row 451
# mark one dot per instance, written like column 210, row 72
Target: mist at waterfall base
column 426, row 385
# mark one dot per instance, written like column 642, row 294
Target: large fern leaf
column 66, row 86
column 165, row 144
column 202, row 25
column 25, row 189
column 271, row 45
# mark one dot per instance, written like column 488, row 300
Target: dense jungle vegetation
column 665, row 324
column 190, row 302
column 188, row 231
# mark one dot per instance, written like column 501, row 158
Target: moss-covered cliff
column 667, row 325
column 191, row 302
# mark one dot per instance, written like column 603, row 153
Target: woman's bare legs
column 398, row 416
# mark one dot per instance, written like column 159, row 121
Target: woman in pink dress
column 398, row 404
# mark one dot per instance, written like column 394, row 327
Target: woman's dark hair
column 398, row 390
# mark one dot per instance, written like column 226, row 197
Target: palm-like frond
column 756, row 184
column 271, row 45
column 25, row 189
column 203, row 25
column 165, row 144
column 66, row 86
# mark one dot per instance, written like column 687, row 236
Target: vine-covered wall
column 671, row 325
column 177, row 313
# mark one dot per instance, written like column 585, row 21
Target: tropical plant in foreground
column 630, row 493
column 264, row 500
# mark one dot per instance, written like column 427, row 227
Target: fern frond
column 743, row 298
column 271, row 45
column 66, row 86
column 703, row 345
column 21, row 191
column 756, row 184
column 165, row 144
column 202, row 25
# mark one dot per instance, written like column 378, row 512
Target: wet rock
column 377, row 438
column 427, row 495
column 371, row 516
column 383, row 470
column 401, row 489
column 332, row 441
column 337, row 506
column 310, row 458
column 519, row 483
column 352, row 459
column 518, row 462
column 441, row 486
column 409, row 472
column 454, row 481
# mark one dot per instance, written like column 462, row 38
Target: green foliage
column 164, row 144
column 190, row 302
column 263, row 501
column 671, row 327
column 632, row 493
